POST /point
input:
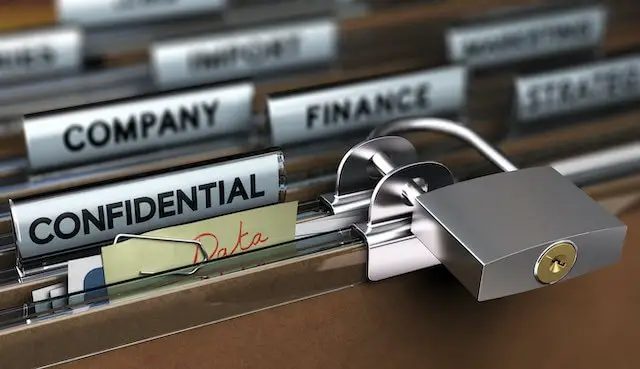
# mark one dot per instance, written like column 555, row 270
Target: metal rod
column 595, row 166
column 384, row 165
column 449, row 128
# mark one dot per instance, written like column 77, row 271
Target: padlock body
column 491, row 231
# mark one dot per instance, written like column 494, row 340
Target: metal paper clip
column 165, row 239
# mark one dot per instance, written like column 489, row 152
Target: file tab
column 84, row 217
column 335, row 110
column 40, row 53
column 513, row 40
column 579, row 88
column 223, row 57
column 110, row 130
column 111, row 12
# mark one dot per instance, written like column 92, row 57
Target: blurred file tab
column 242, row 54
column 578, row 88
column 109, row 12
column 39, row 53
column 512, row 40
column 112, row 130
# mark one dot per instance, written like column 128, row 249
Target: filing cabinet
column 282, row 183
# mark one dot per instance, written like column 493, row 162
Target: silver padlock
column 510, row 232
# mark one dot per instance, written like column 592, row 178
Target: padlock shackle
column 451, row 129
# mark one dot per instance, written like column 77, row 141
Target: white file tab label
column 574, row 89
column 110, row 12
column 38, row 53
column 332, row 111
column 89, row 216
column 535, row 36
column 117, row 129
column 244, row 53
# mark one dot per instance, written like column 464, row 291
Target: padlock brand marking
column 555, row 262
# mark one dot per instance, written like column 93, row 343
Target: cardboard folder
column 423, row 320
column 318, row 307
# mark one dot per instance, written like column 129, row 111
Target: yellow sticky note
column 221, row 236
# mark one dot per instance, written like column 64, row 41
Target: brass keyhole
column 555, row 262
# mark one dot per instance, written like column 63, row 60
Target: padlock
column 513, row 231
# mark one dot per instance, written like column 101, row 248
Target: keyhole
column 555, row 262
column 557, row 266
